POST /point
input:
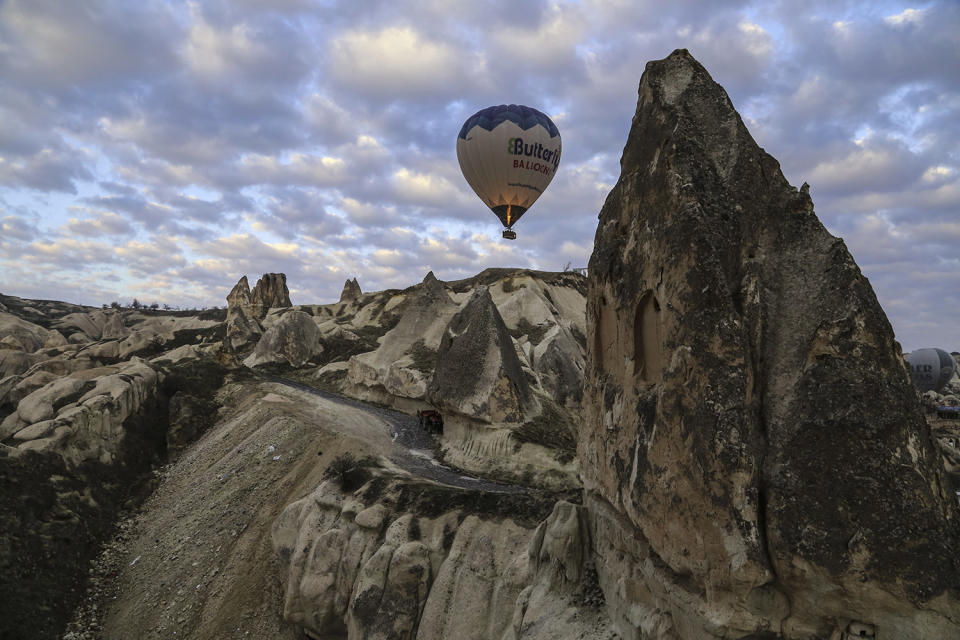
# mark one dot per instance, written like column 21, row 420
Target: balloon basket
column 509, row 234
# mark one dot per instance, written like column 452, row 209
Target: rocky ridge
column 397, row 348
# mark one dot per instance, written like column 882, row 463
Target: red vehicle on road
column 431, row 420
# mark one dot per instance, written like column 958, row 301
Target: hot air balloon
column 509, row 154
column 931, row 369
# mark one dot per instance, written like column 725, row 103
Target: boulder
column 84, row 327
column 294, row 340
column 25, row 385
column 54, row 339
column 269, row 292
column 755, row 459
column 478, row 373
column 43, row 403
column 16, row 333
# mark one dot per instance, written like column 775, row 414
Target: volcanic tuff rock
column 270, row 292
column 478, row 373
column 358, row 566
column 243, row 326
column 399, row 368
column 754, row 456
column 351, row 290
column 293, row 340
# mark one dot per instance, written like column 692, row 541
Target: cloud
column 103, row 224
column 46, row 170
column 16, row 228
column 57, row 45
column 299, row 168
column 317, row 138
column 400, row 62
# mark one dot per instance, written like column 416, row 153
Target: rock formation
column 478, row 373
column 754, row 457
column 351, row 290
column 242, row 321
column 270, row 292
column 400, row 368
column 356, row 566
column 294, row 340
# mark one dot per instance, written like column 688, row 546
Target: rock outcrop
column 243, row 326
column 753, row 452
column 81, row 418
column 294, row 340
column 357, row 566
column 20, row 334
column 478, row 373
column 351, row 291
column 270, row 292
column 398, row 371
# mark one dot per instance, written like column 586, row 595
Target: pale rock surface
column 22, row 386
column 365, row 571
column 20, row 334
column 54, row 339
column 14, row 362
column 83, row 326
column 113, row 327
column 11, row 342
column 294, row 340
column 755, row 460
column 399, row 369
column 85, row 415
column 562, row 598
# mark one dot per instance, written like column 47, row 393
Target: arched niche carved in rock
column 605, row 336
column 647, row 340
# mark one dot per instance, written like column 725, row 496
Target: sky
column 160, row 150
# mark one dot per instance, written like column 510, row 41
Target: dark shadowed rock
column 351, row 291
column 478, row 373
column 270, row 292
column 754, row 455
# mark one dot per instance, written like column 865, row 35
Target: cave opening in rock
column 647, row 345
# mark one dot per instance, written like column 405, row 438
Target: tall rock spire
column 754, row 455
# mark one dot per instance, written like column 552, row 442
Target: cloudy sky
column 159, row 150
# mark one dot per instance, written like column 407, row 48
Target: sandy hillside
column 197, row 562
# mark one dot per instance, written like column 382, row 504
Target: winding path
column 415, row 446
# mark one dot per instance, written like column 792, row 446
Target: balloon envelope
column 509, row 154
column 931, row 369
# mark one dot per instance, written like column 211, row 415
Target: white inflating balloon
column 509, row 154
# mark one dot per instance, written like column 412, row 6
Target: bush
column 348, row 472
column 424, row 358
column 552, row 429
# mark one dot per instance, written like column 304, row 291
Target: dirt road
column 414, row 451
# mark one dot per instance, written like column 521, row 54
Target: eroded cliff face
column 391, row 559
column 753, row 453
